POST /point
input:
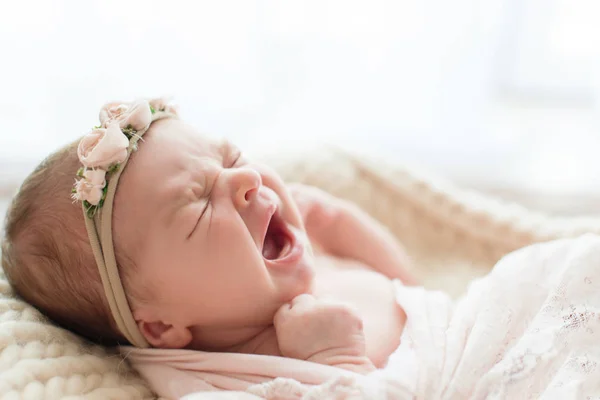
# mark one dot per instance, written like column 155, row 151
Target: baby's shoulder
column 328, row 262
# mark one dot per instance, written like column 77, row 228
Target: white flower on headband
column 134, row 116
column 102, row 147
column 91, row 187
column 163, row 104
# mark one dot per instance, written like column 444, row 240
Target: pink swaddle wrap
column 176, row 373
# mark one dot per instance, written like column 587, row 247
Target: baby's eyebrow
column 224, row 144
column 227, row 148
column 181, row 197
column 172, row 207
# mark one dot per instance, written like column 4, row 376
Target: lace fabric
column 529, row 330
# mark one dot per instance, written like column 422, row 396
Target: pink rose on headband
column 103, row 147
column 137, row 115
column 163, row 104
column 90, row 187
column 96, row 177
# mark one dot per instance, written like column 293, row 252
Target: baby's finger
column 297, row 306
column 303, row 300
column 281, row 314
column 299, row 302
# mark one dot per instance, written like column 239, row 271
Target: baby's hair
column 46, row 254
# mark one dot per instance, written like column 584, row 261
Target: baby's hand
column 322, row 331
column 317, row 207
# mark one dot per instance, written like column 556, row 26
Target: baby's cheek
column 294, row 216
column 291, row 210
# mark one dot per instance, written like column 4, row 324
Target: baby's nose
column 245, row 183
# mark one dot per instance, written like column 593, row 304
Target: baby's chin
column 289, row 296
column 303, row 282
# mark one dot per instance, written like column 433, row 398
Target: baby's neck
column 261, row 340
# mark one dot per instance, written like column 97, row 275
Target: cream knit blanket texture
column 451, row 234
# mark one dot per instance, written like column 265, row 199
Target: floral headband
column 104, row 152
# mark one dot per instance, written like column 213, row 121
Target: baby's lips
column 261, row 216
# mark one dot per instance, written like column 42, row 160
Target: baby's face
column 222, row 242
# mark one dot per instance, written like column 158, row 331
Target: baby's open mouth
column 277, row 242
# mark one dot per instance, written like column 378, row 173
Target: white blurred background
column 499, row 95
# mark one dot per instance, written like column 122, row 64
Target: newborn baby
column 214, row 251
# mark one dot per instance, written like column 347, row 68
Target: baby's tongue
column 270, row 251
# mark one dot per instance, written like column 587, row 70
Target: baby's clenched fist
column 322, row 331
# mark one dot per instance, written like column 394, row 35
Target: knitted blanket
column 452, row 235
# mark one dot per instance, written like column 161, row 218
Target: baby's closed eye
column 231, row 154
column 236, row 159
column 198, row 218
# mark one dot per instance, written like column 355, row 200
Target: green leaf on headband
column 97, row 127
column 128, row 131
column 152, row 110
column 90, row 210
column 80, row 172
column 73, row 190
column 113, row 168
column 104, row 192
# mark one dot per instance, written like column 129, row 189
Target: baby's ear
column 165, row 336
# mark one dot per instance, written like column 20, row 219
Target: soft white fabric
column 529, row 330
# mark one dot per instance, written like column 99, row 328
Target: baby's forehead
column 169, row 168
column 172, row 137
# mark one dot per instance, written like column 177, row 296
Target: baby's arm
column 343, row 229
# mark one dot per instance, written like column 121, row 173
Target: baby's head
column 208, row 244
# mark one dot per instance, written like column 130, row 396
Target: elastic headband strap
column 98, row 222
